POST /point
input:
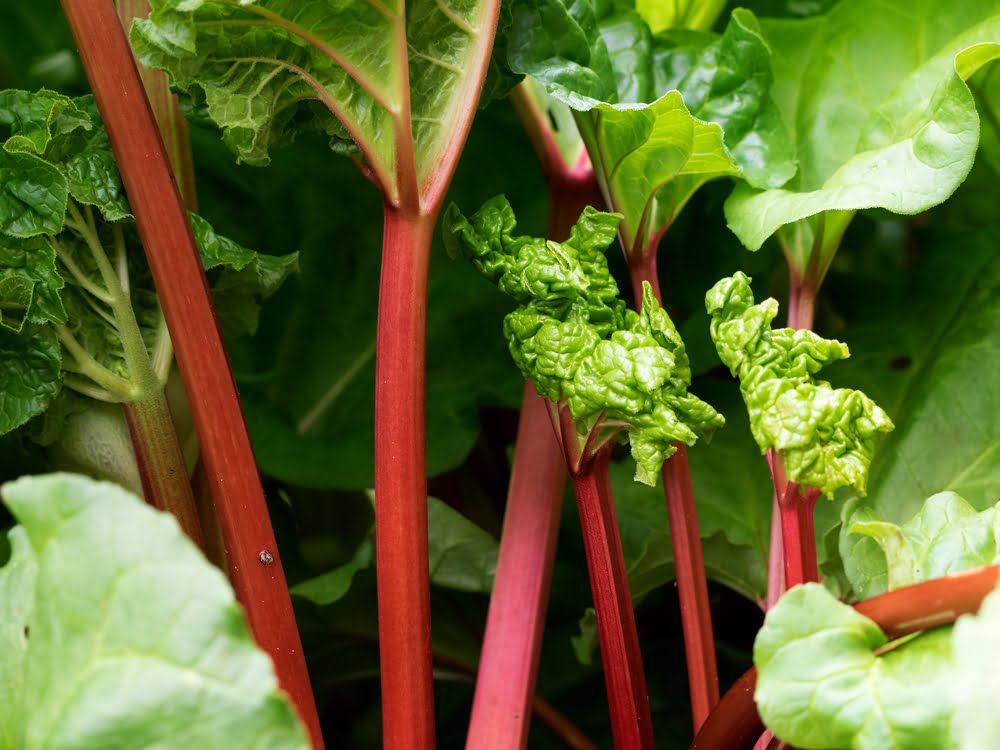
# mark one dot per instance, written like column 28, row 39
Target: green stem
column 160, row 459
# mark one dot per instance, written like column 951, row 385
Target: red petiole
column 625, row 680
column 255, row 569
column 692, row 585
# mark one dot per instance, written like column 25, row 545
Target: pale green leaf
column 822, row 685
column 878, row 120
column 17, row 600
column 134, row 640
column 974, row 689
column 947, row 536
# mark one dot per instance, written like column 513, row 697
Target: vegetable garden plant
column 499, row 485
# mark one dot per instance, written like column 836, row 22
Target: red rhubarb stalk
column 628, row 702
column 401, row 484
column 685, row 538
column 405, row 661
column 255, row 568
column 801, row 308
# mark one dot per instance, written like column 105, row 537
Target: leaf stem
column 161, row 463
column 401, row 484
column 515, row 623
column 685, row 538
column 628, row 702
column 798, row 535
column 802, row 291
column 508, row 663
column 692, row 587
column 180, row 282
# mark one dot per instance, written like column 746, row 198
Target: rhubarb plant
column 395, row 87
column 79, row 306
column 824, row 437
column 607, row 373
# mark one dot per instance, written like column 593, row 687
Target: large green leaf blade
column 877, row 120
column 17, row 599
column 821, row 684
column 30, row 377
column 269, row 70
column 134, row 639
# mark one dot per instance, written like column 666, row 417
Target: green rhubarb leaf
column 17, row 600
column 821, row 684
column 661, row 115
column 132, row 639
column 272, row 69
column 825, row 435
column 30, row 364
column 29, row 283
column 974, row 692
column 32, row 195
column 572, row 340
column 242, row 276
column 947, row 536
column 683, row 14
column 877, row 121
column 68, row 135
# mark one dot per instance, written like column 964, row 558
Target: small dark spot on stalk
column 27, row 632
column 553, row 123
column 265, row 557
column 900, row 363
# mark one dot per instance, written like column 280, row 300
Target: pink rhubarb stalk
column 685, row 538
column 512, row 642
column 508, row 666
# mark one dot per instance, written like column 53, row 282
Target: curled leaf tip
column 826, row 435
column 615, row 369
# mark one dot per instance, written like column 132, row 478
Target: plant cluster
column 406, row 421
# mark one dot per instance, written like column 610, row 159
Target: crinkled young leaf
column 30, row 365
column 878, row 121
column 947, row 536
column 660, row 115
column 820, row 684
column 133, row 639
column 570, row 338
column 825, row 435
column 271, row 69
column 32, row 195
